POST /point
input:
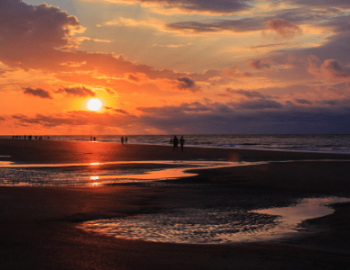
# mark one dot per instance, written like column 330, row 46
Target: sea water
column 315, row 142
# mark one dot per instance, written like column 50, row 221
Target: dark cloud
column 242, row 25
column 334, row 69
column 37, row 92
column 26, row 28
column 217, row 6
column 261, row 104
column 303, row 101
column 77, row 91
column 116, row 110
column 247, row 94
column 321, row 3
column 133, row 78
column 284, row 28
column 330, row 68
column 331, row 102
column 186, row 83
column 258, row 64
column 224, row 119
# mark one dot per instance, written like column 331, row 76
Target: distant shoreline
column 323, row 143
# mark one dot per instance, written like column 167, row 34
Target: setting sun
column 94, row 104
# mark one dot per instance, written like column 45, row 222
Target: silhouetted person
column 94, row 138
column 122, row 140
column 126, row 139
column 175, row 143
column 182, row 142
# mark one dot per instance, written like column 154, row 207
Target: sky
column 174, row 66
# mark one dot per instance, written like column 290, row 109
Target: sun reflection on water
column 215, row 226
column 114, row 172
column 95, row 163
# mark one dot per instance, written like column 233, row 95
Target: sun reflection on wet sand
column 215, row 226
column 81, row 174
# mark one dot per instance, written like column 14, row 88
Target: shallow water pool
column 215, row 226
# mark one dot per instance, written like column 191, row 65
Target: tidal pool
column 102, row 173
column 215, row 226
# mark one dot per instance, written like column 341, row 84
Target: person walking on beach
column 175, row 143
column 122, row 140
column 182, row 142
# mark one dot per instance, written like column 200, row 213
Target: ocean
column 339, row 143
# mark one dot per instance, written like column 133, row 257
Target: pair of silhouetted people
column 122, row 140
column 175, row 142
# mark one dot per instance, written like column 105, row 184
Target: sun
column 94, row 104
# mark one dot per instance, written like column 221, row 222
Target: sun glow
column 94, row 104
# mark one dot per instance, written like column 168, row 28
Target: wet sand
column 38, row 224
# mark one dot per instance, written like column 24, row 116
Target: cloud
column 186, row 83
column 116, row 110
column 133, row 78
column 46, row 34
column 283, row 22
column 261, row 104
column 217, row 6
column 321, row 3
column 333, row 69
column 77, row 91
column 332, row 102
column 303, row 101
column 247, row 94
column 259, row 64
column 242, row 25
column 76, row 118
column 330, row 68
column 195, row 107
column 234, row 72
column 37, row 93
column 26, row 27
column 284, row 28
column 225, row 119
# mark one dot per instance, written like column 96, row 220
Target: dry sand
column 38, row 224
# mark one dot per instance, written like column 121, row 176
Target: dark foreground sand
column 38, row 225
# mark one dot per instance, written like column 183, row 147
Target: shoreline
column 240, row 147
column 38, row 224
column 79, row 151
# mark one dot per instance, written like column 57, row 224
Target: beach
column 39, row 225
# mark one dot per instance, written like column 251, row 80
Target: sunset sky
column 174, row 66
